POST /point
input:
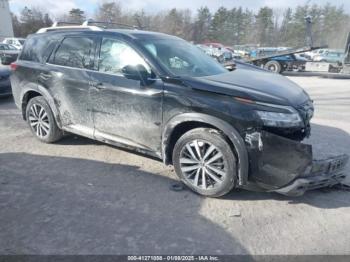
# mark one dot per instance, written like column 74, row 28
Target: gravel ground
column 83, row 197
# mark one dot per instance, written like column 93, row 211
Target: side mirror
column 137, row 72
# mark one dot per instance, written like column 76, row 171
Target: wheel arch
column 31, row 93
column 181, row 124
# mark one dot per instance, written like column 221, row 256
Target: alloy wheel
column 39, row 121
column 202, row 164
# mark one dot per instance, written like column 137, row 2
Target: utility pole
column 309, row 40
column 346, row 62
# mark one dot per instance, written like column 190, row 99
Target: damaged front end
column 279, row 164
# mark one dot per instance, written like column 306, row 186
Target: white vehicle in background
column 310, row 55
column 330, row 56
column 16, row 42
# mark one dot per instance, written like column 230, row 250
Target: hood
column 258, row 85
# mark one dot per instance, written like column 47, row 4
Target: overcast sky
column 57, row 7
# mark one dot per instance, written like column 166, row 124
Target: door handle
column 97, row 85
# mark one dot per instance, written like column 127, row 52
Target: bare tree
column 109, row 12
column 233, row 26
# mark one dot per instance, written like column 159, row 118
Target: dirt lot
column 80, row 196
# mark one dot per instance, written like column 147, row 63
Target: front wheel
column 41, row 120
column 205, row 162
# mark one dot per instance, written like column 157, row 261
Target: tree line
column 236, row 26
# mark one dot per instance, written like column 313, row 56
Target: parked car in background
column 16, row 42
column 5, row 85
column 303, row 56
column 244, row 50
column 8, row 54
column 214, row 52
column 221, row 53
column 311, row 54
column 214, row 45
column 159, row 95
column 330, row 56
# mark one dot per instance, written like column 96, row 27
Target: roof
column 139, row 34
column 131, row 33
column 95, row 26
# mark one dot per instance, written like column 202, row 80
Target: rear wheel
column 273, row 66
column 204, row 161
column 41, row 120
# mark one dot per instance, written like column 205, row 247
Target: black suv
column 160, row 96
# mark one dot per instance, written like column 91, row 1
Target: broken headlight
column 273, row 115
column 275, row 119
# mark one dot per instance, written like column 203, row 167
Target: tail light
column 13, row 66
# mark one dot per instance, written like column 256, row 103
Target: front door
column 125, row 110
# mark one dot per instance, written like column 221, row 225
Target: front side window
column 182, row 58
column 75, row 52
column 116, row 55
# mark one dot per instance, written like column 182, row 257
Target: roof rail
column 106, row 24
column 68, row 25
column 62, row 23
column 88, row 24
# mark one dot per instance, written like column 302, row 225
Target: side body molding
column 227, row 129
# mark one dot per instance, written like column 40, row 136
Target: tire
column 41, row 121
column 219, row 174
column 273, row 66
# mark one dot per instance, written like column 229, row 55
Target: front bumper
column 282, row 165
column 324, row 173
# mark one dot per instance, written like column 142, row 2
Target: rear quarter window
column 37, row 49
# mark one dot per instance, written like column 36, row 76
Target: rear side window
column 75, row 52
column 36, row 49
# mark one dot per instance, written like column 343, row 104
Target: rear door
column 66, row 75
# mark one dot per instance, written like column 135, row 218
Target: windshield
column 182, row 58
